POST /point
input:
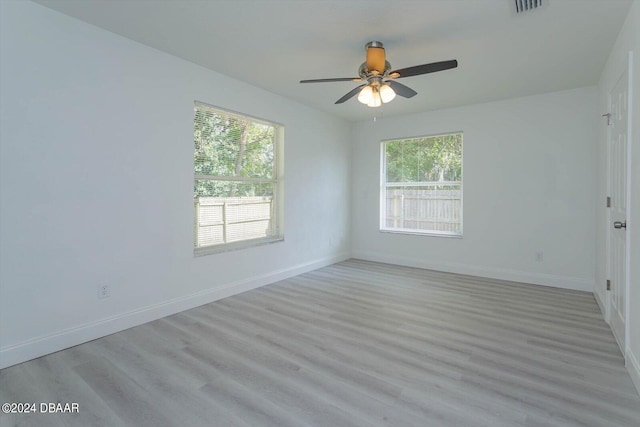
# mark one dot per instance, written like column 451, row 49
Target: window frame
column 383, row 186
column 277, row 215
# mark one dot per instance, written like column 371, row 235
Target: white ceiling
column 273, row 44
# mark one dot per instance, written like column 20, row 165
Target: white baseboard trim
column 31, row 349
column 563, row 282
column 601, row 305
column 634, row 369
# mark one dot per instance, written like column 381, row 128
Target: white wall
column 528, row 186
column 628, row 40
column 97, row 179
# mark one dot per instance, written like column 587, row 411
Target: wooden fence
column 425, row 206
column 223, row 220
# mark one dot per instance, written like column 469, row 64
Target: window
column 421, row 185
column 237, row 188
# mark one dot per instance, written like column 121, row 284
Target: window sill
column 421, row 233
column 216, row 249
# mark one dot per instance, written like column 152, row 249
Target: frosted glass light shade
column 366, row 95
column 375, row 100
column 387, row 94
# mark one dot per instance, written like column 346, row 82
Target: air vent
column 527, row 5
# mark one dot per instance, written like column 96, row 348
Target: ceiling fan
column 379, row 81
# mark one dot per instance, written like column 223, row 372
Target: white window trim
column 232, row 246
column 277, row 180
column 383, row 184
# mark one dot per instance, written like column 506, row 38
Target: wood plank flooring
column 353, row 344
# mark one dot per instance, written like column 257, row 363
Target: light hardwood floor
column 354, row 344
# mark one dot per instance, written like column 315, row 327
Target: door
column 618, row 153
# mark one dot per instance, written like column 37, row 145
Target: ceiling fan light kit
column 375, row 94
column 379, row 85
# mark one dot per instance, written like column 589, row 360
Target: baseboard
column 634, row 369
column 601, row 305
column 31, row 349
column 563, row 282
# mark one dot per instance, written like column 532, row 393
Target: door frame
column 627, row 261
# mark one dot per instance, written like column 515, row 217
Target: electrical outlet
column 104, row 291
column 539, row 256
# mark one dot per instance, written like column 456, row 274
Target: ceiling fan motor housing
column 376, row 63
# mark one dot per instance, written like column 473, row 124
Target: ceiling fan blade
column 351, row 94
column 401, row 89
column 339, row 79
column 425, row 69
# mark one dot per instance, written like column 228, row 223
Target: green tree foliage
column 232, row 147
column 425, row 159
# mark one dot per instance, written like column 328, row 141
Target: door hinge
column 608, row 285
column 608, row 116
column 608, row 201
